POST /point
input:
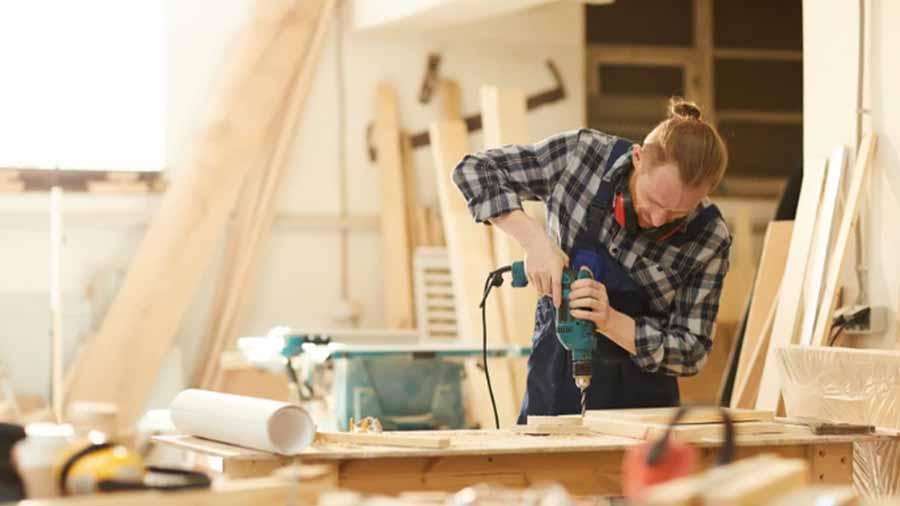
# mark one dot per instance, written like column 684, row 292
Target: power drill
column 576, row 336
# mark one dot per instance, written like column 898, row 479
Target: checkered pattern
column 682, row 277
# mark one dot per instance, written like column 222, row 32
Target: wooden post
column 471, row 259
column 120, row 362
column 395, row 232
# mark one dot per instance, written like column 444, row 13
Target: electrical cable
column 495, row 278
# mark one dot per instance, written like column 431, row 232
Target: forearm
column 520, row 227
column 619, row 328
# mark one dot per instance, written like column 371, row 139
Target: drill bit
column 583, row 402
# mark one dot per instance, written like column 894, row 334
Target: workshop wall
column 830, row 41
column 300, row 279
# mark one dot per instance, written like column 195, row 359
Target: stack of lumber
column 651, row 423
column 799, row 278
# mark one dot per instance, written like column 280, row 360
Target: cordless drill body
column 575, row 335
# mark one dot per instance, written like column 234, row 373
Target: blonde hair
column 691, row 143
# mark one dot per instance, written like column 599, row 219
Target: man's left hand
column 588, row 301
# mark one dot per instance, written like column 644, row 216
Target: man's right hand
column 544, row 264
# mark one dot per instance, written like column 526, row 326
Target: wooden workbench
column 589, row 465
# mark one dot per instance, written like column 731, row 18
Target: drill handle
column 519, row 278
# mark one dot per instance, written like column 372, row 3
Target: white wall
column 299, row 282
column 830, row 41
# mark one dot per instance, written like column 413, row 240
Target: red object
column 676, row 461
column 619, row 208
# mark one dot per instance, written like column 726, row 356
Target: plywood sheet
column 787, row 316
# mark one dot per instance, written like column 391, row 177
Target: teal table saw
column 406, row 387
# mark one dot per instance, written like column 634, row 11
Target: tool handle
column 519, row 278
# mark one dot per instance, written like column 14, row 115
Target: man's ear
column 637, row 156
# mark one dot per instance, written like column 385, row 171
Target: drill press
column 575, row 335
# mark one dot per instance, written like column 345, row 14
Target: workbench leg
column 831, row 464
column 249, row 468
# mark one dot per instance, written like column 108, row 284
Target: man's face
column 658, row 193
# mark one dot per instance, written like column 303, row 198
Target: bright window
column 82, row 84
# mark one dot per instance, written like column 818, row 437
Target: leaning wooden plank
column 505, row 121
column 768, row 280
column 747, row 391
column 739, row 280
column 383, row 439
column 841, row 242
column 120, row 362
column 395, row 251
column 253, row 218
column 664, row 415
column 826, row 218
column 787, row 316
column 471, row 259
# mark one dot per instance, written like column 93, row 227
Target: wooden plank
column 395, row 250
column 448, row 94
column 765, row 117
column 747, row 390
column 787, row 316
column 703, row 44
column 559, row 420
column 471, row 258
column 383, row 439
column 691, row 432
column 824, row 233
column 254, row 217
column 765, row 290
column 167, row 269
column 415, row 211
column 848, row 222
column 505, row 121
column 664, row 415
column 758, row 54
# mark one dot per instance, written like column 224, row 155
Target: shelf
column 747, row 116
column 758, row 54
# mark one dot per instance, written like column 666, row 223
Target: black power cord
column 495, row 278
column 841, row 322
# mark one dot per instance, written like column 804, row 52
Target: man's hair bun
column 679, row 107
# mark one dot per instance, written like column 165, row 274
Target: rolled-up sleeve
column 679, row 344
column 495, row 181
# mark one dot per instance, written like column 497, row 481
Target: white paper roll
column 261, row 424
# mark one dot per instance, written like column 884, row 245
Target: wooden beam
column 765, row 293
column 505, row 121
column 384, row 439
column 787, row 316
column 254, row 216
column 703, row 43
column 848, row 222
column 822, row 241
column 471, row 259
column 395, row 246
column 759, row 54
column 765, row 117
column 746, row 389
column 121, row 361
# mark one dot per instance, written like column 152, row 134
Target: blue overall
column 617, row 382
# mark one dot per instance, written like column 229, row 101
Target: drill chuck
column 581, row 372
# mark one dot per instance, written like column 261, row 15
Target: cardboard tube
column 261, row 424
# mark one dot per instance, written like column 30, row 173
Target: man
column 638, row 217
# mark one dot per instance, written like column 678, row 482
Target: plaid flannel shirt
column 564, row 171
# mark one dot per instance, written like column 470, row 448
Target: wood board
column 828, row 215
column 403, row 440
column 395, row 231
column 664, row 415
column 841, row 243
column 787, row 316
column 689, row 432
column 471, row 259
column 505, row 121
column 747, row 390
column 120, row 362
column 765, row 292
